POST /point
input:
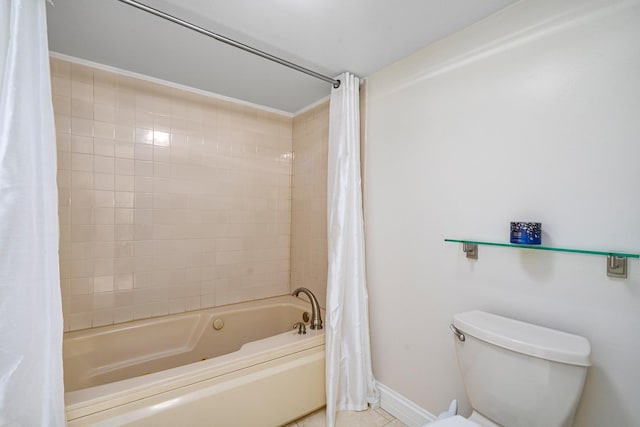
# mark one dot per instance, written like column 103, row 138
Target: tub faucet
column 316, row 319
column 302, row 328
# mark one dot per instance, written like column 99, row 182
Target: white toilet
column 517, row 374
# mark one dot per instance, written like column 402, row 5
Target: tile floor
column 370, row 418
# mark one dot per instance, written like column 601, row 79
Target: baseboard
column 402, row 408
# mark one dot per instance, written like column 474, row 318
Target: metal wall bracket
column 471, row 250
column 616, row 266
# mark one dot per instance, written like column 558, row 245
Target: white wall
column 530, row 115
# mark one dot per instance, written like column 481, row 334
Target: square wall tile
column 169, row 201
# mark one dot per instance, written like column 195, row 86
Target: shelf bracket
column 471, row 250
column 616, row 266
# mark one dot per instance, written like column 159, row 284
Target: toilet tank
column 519, row 374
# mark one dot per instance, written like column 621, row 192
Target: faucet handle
column 302, row 328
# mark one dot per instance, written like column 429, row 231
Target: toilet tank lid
column 526, row 338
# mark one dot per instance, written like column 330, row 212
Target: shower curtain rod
column 231, row 42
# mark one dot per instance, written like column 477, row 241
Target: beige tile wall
column 309, row 201
column 169, row 201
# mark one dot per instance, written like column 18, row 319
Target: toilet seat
column 456, row 421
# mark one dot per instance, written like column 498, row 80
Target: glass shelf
column 545, row 248
column 616, row 261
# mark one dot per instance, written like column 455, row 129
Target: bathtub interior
column 117, row 352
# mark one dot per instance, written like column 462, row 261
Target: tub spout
column 316, row 319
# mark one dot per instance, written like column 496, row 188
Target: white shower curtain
column 349, row 378
column 31, row 385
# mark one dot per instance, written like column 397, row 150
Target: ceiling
column 327, row 36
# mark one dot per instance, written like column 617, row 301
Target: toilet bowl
column 517, row 374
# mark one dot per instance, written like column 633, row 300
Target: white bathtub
column 179, row 371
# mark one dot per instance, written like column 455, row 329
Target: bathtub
column 179, row 370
